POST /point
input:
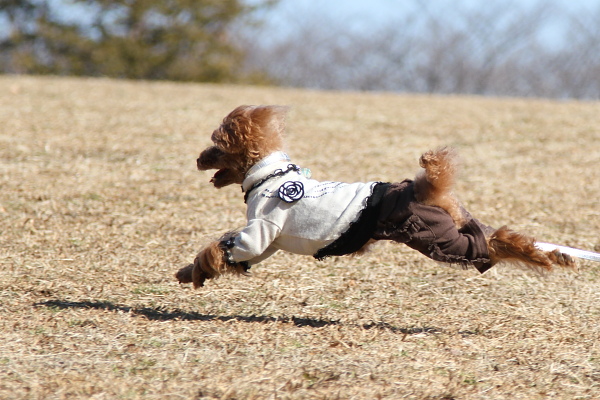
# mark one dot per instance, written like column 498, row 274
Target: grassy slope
column 100, row 203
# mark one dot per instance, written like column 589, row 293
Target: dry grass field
column 100, row 204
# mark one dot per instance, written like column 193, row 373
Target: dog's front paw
column 184, row 275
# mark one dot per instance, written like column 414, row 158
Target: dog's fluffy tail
column 506, row 245
column 433, row 185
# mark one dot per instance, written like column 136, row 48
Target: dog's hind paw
column 561, row 259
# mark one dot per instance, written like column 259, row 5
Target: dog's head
column 247, row 135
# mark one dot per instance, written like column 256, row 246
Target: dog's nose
column 198, row 163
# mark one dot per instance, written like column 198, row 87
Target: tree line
column 499, row 48
column 182, row 40
column 502, row 48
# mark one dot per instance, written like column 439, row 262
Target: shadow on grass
column 158, row 314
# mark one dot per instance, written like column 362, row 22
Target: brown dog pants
column 430, row 230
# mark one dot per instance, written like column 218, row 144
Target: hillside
column 100, row 203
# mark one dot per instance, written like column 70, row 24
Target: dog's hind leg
column 510, row 246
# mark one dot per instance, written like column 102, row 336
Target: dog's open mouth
column 219, row 174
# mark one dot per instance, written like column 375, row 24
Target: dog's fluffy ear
column 256, row 130
column 270, row 119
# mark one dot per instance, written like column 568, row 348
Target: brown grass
column 100, row 204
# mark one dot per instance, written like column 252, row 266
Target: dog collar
column 270, row 159
column 275, row 174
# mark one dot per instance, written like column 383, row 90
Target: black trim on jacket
column 360, row 231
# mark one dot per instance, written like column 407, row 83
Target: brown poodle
column 289, row 211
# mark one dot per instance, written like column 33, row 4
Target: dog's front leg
column 211, row 262
column 184, row 275
column 208, row 264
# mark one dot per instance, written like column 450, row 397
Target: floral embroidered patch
column 291, row 191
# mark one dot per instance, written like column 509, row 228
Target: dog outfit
column 289, row 211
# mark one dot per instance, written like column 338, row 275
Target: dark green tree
column 18, row 33
column 186, row 40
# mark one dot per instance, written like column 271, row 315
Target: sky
column 385, row 10
column 367, row 14
column 377, row 11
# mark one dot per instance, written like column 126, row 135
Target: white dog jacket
column 288, row 211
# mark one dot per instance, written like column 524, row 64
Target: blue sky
column 381, row 10
column 365, row 14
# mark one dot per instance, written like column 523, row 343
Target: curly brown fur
column 246, row 135
column 506, row 245
column 209, row 264
column 433, row 186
